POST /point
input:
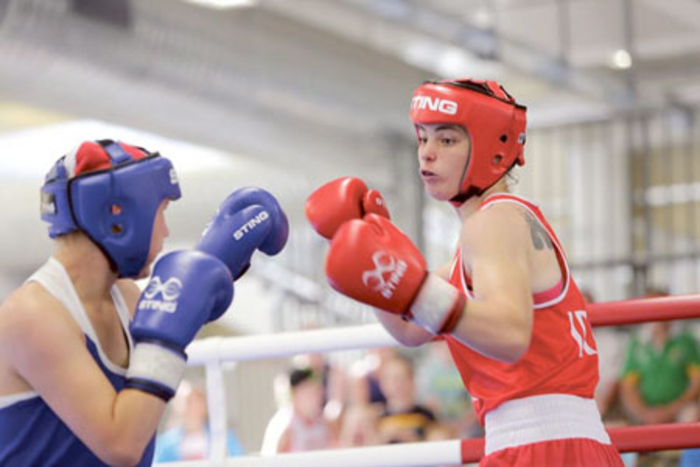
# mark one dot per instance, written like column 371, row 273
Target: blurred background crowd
column 649, row 374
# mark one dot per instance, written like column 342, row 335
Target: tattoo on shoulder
column 540, row 237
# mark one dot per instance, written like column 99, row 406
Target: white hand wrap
column 436, row 303
column 152, row 362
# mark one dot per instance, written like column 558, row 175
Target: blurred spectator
column 403, row 420
column 332, row 379
column 358, row 427
column 189, row 439
column 661, row 375
column 437, row 431
column 367, row 372
column 441, row 388
column 300, row 426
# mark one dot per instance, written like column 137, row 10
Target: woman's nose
column 426, row 151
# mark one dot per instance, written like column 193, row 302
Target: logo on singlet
column 386, row 275
column 169, row 292
column 578, row 319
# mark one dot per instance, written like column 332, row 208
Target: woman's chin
column 436, row 194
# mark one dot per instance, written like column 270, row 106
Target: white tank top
column 54, row 278
column 305, row 436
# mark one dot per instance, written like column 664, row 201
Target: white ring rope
column 394, row 455
column 257, row 347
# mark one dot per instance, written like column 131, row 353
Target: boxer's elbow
column 118, row 458
column 121, row 451
column 404, row 332
column 413, row 339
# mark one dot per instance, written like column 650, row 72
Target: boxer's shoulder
column 37, row 334
column 32, row 313
column 503, row 219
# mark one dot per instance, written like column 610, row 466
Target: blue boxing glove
column 249, row 219
column 187, row 289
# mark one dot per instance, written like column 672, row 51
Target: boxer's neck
column 472, row 205
column 87, row 267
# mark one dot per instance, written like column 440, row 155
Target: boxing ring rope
column 453, row 452
column 212, row 351
column 642, row 310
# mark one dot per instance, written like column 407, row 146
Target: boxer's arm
column 405, row 332
column 48, row 351
column 498, row 322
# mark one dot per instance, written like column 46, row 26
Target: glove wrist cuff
column 438, row 306
column 155, row 366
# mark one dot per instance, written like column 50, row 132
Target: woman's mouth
column 427, row 175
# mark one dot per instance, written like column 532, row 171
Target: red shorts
column 574, row 452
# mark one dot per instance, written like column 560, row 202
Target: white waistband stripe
column 543, row 418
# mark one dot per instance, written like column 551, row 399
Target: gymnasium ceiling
column 289, row 93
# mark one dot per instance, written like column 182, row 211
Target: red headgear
column 492, row 118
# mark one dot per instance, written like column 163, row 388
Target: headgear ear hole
column 115, row 209
column 117, row 228
column 497, row 159
column 504, row 138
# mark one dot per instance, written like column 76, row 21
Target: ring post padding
column 216, row 408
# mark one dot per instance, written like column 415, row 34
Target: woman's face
column 307, row 399
column 158, row 236
column 443, row 153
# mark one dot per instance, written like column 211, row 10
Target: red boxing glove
column 372, row 261
column 342, row 200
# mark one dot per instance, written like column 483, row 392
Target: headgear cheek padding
column 495, row 122
column 114, row 205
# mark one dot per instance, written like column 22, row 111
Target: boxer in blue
column 87, row 361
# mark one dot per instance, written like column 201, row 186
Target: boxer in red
column 507, row 305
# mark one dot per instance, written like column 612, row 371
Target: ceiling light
column 482, row 18
column 224, row 4
column 621, row 59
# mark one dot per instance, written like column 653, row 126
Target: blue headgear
column 115, row 207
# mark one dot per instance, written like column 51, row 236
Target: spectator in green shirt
column 661, row 374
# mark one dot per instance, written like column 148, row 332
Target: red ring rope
column 643, row 310
column 626, row 439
